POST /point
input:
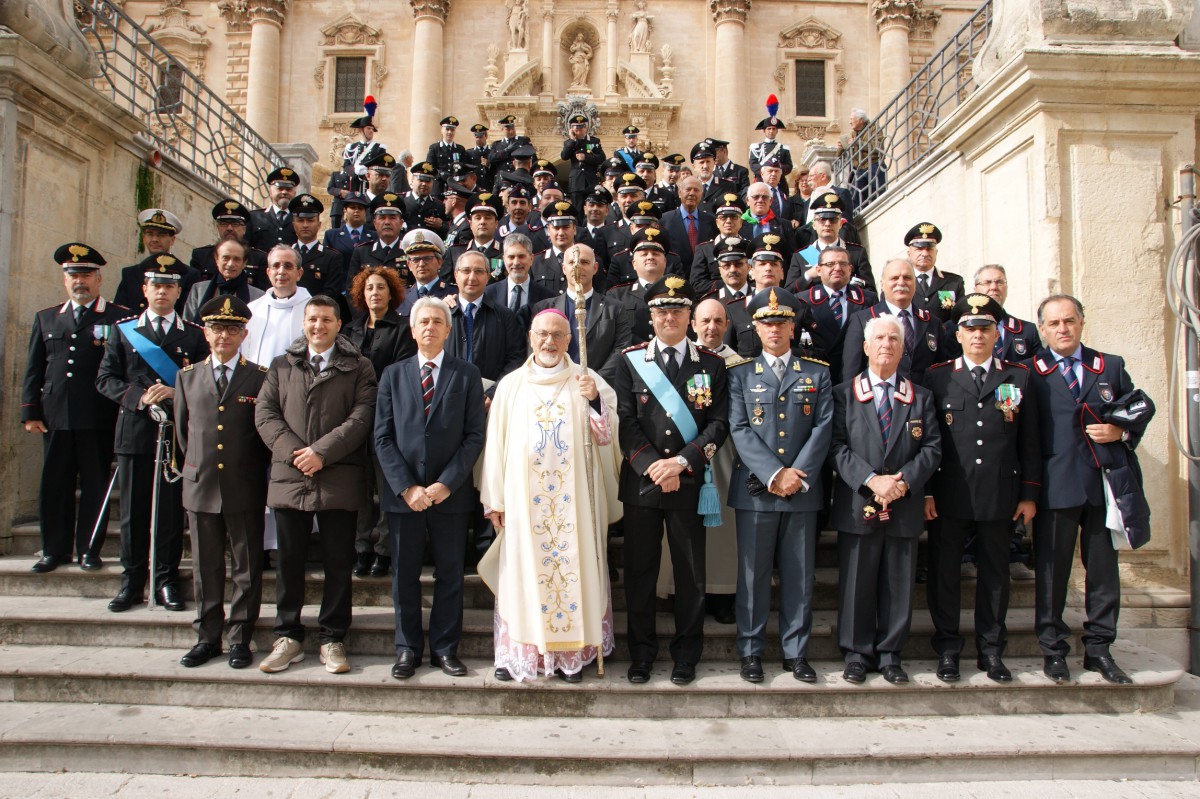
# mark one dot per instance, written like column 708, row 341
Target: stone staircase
column 87, row 690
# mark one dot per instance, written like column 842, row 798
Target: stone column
column 426, row 107
column 548, row 50
column 262, row 89
column 894, row 20
column 611, row 86
column 730, row 116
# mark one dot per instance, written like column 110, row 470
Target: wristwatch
column 682, row 461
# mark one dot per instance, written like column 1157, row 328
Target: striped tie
column 1067, row 367
column 884, row 409
column 998, row 347
column 835, row 305
column 909, row 332
column 427, row 385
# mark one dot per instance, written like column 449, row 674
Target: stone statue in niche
column 581, row 62
column 518, row 13
column 639, row 38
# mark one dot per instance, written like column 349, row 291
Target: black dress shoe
column 90, row 562
column 752, row 670
column 405, row 665
column 724, row 616
column 947, row 668
column 124, row 600
column 683, row 673
column 1108, row 669
column 267, row 560
column 800, row 669
column 239, row 656
column 994, row 667
column 170, row 598
column 894, row 674
column 362, row 563
column 577, row 677
column 200, row 654
column 449, row 664
column 922, row 575
column 1055, row 667
column 855, row 672
column 503, row 675
column 639, row 671
column 382, row 567
column 47, row 563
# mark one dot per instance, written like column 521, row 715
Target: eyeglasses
column 422, row 259
column 556, row 335
column 986, row 283
column 834, row 263
column 760, row 196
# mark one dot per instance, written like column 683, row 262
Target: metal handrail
column 185, row 120
column 897, row 140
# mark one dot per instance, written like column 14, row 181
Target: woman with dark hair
column 383, row 337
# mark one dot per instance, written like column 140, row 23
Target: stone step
column 117, row 675
column 17, row 580
column 87, row 622
column 560, row 749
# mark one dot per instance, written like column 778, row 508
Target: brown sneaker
column 333, row 655
column 284, row 653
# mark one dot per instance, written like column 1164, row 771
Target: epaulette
column 939, row 365
column 127, row 318
column 263, row 369
column 814, row 360
column 188, row 368
column 729, row 301
column 622, row 285
column 118, row 307
column 742, row 362
column 1018, row 365
column 366, row 242
column 636, row 347
column 706, row 351
column 55, row 308
column 193, row 324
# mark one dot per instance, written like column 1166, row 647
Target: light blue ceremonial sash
column 665, row 393
column 627, row 158
column 151, row 353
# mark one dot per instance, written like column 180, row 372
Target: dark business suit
column 416, row 449
column 609, row 329
column 59, row 390
column 225, row 467
column 736, row 174
column 123, row 377
column 500, row 293
column 829, row 338
column 990, row 462
column 706, row 230
column 926, row 348
column 648, row 434
column 621, row 270
column 498, row 343
column 1071, row 505
column 877, row 561
column 775, row 425
column 634, row 296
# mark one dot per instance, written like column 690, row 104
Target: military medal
column 1106, row 392
column 497, row 267
column 949, row 419
column 1008, row 398
column 916, row 430
column 946, row 299
column 758, row 415
column 808, row 410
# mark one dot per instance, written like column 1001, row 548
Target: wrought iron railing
column 898, row 139
column 185, row 120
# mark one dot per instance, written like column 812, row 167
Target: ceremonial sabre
column 581, row 333
column 164, row 470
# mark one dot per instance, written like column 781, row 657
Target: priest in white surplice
column 278, row 320
column 547, row 566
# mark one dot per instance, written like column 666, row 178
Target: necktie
column 835, row 305
column 998, row 347
column 470, row 317
column 909, row 332
column 355, row 237
column 427, row 385
column 776, row 202
column 978, row 373
column 316, row 364
column 737, row 295
column 79, row 312
column 422, row 291
column 1067, row 367
column 515, row 305
column 924, row 281
column 669, row 364
column 777, row 365
column 222, row 379
column 692, row 233
column 884, row 408
column 160, row 329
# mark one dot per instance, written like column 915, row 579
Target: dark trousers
column 372, row 533
column 70, row 456
column 877, row 575
column 244, row 532
column 1054, row 536
column 764, row 537
column 447, row 536
column 135, row 475
column 336, row 531
column 947, row 541
column 643, row 552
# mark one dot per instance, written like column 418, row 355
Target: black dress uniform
column 59, row 390
column 937, row 291
column 123, row 377
column 829, row 333
column 129, row 290
column 379, row 253
column 270, row 226
column 991, row 460
column 583, row 176
column 921, row 350
column 417, row 209
column 648, row 434
column 444, row 155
